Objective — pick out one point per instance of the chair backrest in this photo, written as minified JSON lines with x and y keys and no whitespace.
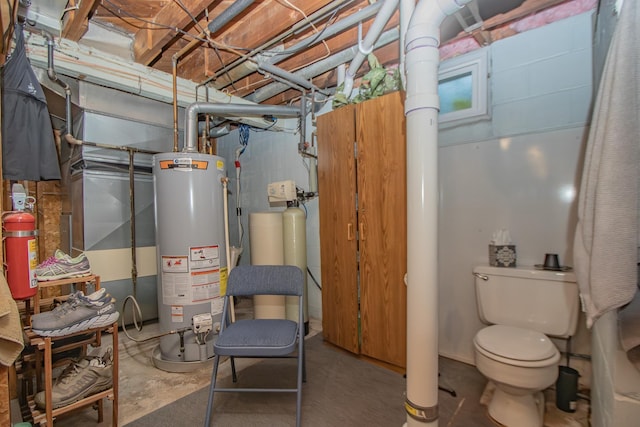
{"x":245,"y":280}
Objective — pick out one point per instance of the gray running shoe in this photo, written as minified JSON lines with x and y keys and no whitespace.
{"x":99,"y":295}
{"x":82,"y":378}
{"x":62,"y":266}
{"x":77,"y":314}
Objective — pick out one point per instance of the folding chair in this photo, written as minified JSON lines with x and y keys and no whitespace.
{"x":261,"y":338}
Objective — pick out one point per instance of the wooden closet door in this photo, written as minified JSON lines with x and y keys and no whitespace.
{"x":381,"y":167}
{"x":338,"y":227}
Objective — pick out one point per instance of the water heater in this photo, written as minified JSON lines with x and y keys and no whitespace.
{"x":191,"y":256}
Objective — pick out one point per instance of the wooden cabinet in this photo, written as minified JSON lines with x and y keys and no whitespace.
{"x":362,"y":187}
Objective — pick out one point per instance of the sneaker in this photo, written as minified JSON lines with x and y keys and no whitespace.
{"x":77,"y":314}
{"x":80,"y":379}
{"x":57,"y":255}
{"x":100,"y":294}
{"x":63,"y":266}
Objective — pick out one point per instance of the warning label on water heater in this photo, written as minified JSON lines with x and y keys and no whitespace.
{"x":192,"y":279}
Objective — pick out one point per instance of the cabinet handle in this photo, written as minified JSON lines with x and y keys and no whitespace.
{"x":350,"y":235}
{"x":362,"y":231}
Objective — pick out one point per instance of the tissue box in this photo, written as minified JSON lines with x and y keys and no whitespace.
{"x":502,"y":255}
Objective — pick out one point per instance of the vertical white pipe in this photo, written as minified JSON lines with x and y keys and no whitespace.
{"x":406,"y":10}
{"x":225,"y":209}
{"x":421,"y":109}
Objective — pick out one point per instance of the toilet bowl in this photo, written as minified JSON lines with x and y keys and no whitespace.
{"x":524,"y":307}
{"x":521,"y":363}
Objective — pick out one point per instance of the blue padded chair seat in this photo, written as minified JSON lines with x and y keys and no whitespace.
{"x":260,"y":337}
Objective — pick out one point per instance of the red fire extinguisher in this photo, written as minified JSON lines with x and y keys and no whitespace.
{"x":21,"y":252}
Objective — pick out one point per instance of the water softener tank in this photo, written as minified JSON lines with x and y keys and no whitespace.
{"x":191,"y":256}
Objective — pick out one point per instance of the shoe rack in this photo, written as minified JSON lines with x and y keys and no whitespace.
{"x":44,"y":352}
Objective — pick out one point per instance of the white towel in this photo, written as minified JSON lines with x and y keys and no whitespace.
{"x":11,"y":342}
{"x":629,"y":324}
{"x":606,"y":239}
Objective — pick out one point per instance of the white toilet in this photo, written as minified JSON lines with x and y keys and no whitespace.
{"x":522,"y":306}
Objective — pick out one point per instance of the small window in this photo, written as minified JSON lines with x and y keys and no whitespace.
{"x":462,"y":87}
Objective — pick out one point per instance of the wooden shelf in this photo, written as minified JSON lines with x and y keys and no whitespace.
{"x":34,"y":304}
{"x":44,"y":352}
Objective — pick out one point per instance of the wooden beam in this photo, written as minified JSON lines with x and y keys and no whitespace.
{"x":76,"y":20}
{"x":8,"y":14}
{"x":151,"y":42}
{"x":267,"y":21}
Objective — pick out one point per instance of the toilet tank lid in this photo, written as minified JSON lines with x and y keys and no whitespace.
{"x":515,"y":343}
{"x":526,"y":272}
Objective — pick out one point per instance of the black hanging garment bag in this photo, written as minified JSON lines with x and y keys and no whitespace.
{"x":28,"y":145}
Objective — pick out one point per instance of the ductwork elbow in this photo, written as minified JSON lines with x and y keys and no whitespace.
{"x":51,"y":73}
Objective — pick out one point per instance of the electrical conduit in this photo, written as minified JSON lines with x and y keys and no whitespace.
{"x":421,"y":110}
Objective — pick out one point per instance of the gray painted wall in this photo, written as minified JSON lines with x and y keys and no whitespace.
{"x":541,"y":86}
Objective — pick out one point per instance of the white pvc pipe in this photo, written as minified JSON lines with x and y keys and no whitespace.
{"x":421,"y":109}
{"x":374,"y":32}
{"x":342,"y":73}
{"x":225,"y":204}
{"x":406,"y":10}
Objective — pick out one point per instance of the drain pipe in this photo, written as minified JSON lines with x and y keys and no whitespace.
{"x":228,"y":14}
{"x":406,"y":10}
{"x":421,"y":110}
{"x":51,"y":73}
{"x":321,"y":66}
{"x":242,"y":110}
{"x":237,"y":70}
{"x":366,"y":46}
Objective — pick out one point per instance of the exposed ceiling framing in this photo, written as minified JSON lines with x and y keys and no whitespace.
{"x":186,"y":35}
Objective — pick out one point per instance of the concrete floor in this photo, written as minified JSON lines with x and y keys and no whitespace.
{"x":143,"y":388}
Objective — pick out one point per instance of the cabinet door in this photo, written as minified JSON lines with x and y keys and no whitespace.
{"x":338,"y":227}
{"x":381,"y":166}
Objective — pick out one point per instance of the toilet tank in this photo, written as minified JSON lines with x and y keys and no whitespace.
{"x":541,"y":300}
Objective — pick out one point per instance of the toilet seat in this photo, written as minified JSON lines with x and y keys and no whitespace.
{"x":516,"y":346}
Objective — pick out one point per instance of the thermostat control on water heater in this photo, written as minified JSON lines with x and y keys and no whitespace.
{"x":282,"y":191}
{"x":202,"y":323}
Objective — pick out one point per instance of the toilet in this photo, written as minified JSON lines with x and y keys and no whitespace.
{"x":524,"y":308}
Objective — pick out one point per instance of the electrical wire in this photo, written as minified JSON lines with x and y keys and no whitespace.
{"x":243,"y":136}
{"x":314,"y":279}
{"x":296,"y":8}
{"x":151,"y":25}
{"x":208,"y":35}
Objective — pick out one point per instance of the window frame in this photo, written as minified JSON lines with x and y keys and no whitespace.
{"x":475,"y":63}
